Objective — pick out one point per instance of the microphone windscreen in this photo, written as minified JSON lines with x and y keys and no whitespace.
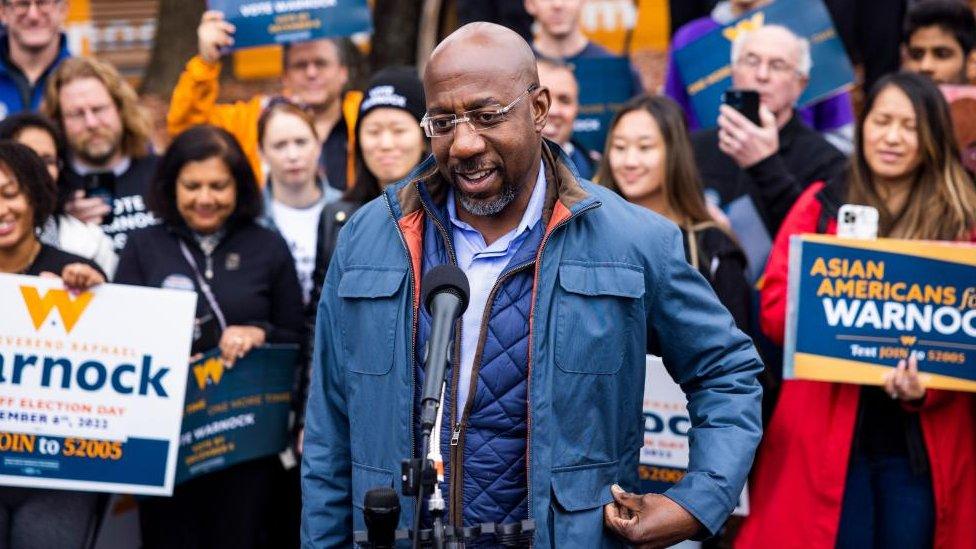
{"x":445,"y":278}
{"x":383,"y":498}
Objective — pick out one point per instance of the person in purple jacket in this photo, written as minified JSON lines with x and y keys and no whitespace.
{"x":833,"y":117}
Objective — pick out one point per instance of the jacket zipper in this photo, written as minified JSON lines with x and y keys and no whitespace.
{"x":528,"y":375}
{"x":460,"y":428}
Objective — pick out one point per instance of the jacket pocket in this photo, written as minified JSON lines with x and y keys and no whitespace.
{"x":596,"y":310}
{"x":370,"y":317}
{"x":576,"y":513}
{"x":365,"y":478}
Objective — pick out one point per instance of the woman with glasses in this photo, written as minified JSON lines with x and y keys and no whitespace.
{"x":60,"y":230}
{"x":844,"y":465}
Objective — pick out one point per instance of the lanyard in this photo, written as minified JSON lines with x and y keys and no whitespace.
{"x":204,"y":287}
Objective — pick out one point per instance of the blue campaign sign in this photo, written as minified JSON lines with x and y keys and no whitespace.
{"x":605,"y":84}
{"x":858,"y":307}
{"x":265,"y":22}
{"x":235,"y":414}
{"x":706,"y":67}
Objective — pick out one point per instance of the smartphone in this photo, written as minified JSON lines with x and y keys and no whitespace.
{"x":854,"y":221}
{"x":102,"y":185}
{"x":744,"y":101}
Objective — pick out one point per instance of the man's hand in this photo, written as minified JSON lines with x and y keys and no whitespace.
{"x":746,"y":143}
{"x":88,"y":210}
{"x":213,"y":35}
{"x":649,"y":520}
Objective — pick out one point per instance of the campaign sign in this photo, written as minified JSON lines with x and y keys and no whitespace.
{"x":706,"y":69}
{"x":605,"y":85}
{"x":236,"y":414}
{"x":265,"y":22}
{"x":91,"y":387}
{"x":858,"y":307}
{"x":664,"y":456}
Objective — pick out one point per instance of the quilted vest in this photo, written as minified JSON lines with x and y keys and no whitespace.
{"x":492,"y":477}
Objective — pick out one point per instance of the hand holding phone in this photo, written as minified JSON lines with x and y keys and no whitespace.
{"x":101,"y":185}
{"x":744,"y":101}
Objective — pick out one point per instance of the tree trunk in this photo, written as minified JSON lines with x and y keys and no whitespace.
{"x":394,"y":39}
{"x":175,"y":44}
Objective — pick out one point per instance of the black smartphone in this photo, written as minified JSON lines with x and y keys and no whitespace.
{"x":102,"y":185}
{"x":744,"y":101}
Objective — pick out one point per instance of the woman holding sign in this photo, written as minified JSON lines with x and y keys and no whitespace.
{"x":888,"y":466}
{"x":28,"y":196}
{"x":248,"y":295}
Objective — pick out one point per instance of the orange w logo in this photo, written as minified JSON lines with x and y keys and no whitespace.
{"x":211,"y":371}
{"x":746,"y":25}
{"x":40,"y":307}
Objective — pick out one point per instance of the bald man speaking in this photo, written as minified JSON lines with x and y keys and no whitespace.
{"x":570,"y":287}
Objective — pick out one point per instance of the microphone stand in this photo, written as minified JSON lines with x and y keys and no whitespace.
{"x":430,"y":422}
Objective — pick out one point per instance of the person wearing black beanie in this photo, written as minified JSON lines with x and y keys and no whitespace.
{"x":389,"y":144}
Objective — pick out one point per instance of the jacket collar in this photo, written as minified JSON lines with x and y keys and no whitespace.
{"x":425,"y":186}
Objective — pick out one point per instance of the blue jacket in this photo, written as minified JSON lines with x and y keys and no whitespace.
{"x":611,"y":284}
{"x":11,"y":100}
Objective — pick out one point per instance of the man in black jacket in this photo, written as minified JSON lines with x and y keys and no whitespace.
{"x":756,"y":172}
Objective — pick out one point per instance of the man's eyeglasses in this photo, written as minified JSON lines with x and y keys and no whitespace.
{"x":777,"y":66}
{"x":442,"y":125}
{"x":21,"y":7}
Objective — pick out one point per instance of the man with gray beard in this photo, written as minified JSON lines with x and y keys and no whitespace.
{"x":109,"y":161}
{"x":570,"y":287}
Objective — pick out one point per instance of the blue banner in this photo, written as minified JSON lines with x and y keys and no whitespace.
{"x":136,"y":461}
{"x":605,"y":84}
{"x":706,"y":69}
{"x":858,"y":307}
{"x":265,"y":22}
{"x":235,"y":414}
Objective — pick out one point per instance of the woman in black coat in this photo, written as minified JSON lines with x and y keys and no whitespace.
{"x":248,"y":294}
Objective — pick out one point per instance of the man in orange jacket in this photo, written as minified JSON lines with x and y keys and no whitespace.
{"x":314,"y":76}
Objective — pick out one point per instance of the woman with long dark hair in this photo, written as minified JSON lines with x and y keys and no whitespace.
{"x":649,"y":161}
{"x":864,"y":466}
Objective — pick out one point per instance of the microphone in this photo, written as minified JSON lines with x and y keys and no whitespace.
{"x":381,"y":511}
{"x":444,"y":292}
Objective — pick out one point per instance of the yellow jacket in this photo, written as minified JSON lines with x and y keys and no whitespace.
{"x":194,"y":102}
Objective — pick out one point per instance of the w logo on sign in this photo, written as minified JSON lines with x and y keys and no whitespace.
{"x":209,"y":372}
{"x":69,"y":307}
{"x":746,"y":25}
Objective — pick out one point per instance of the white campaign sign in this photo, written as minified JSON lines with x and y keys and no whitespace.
{"x":92,"y":385}
{"x":664,"y":457}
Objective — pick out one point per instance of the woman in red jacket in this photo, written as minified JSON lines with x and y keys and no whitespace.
{"x":893,"y":466}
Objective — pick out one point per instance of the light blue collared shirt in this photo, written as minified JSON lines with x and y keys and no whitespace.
{"x":482,"y":264}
